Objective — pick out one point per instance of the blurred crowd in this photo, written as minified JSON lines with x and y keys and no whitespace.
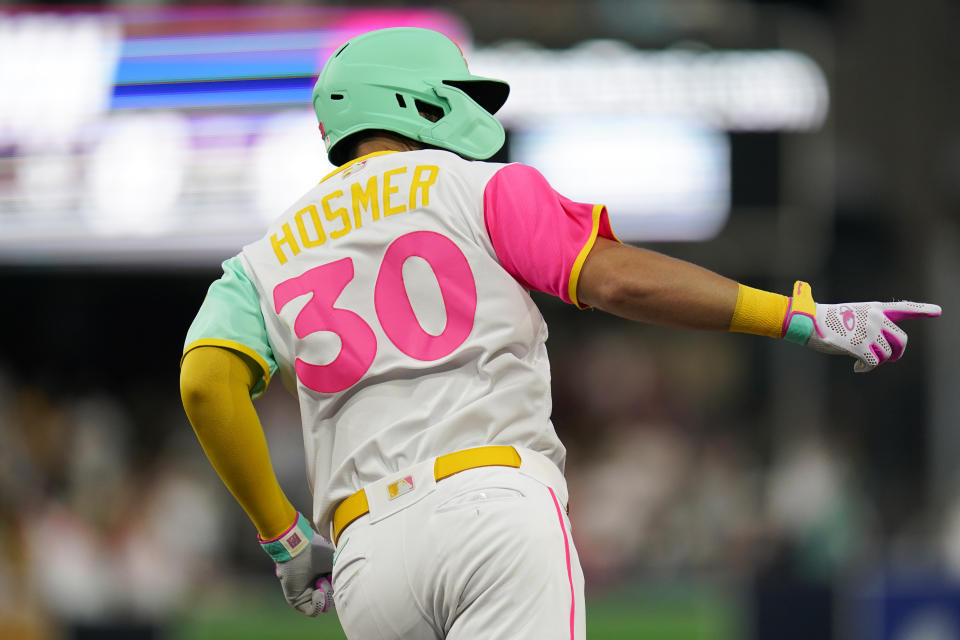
{"x":670,"y":479}
{"x":92,"y":527}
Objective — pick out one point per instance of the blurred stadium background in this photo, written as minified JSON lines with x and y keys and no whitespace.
{"x":723,"y":487}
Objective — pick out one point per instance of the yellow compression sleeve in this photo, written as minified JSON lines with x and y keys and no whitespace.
{"x":759,"y":312}
{"x":215,"y":388}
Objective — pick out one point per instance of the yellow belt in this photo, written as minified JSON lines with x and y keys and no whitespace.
{"x":444,"y":466}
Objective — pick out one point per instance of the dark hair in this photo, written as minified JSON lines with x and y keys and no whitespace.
{"x":346,"y":150}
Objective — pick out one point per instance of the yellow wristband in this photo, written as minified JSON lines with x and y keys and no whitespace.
{"x":759,"y":312}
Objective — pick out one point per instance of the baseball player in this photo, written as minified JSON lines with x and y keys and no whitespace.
{"x":392,"y":298}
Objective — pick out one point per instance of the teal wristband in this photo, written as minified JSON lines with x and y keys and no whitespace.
{"x":800,"y":329}
{"x":291,"y":542}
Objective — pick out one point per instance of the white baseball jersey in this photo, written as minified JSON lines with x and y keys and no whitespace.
{"x":393,"y":298}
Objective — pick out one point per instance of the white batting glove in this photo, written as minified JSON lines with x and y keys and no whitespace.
{"x":867,"y":331}
{"x":304,"y":563}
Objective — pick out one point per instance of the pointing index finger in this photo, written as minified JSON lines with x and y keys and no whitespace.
{"x":897,"y":311}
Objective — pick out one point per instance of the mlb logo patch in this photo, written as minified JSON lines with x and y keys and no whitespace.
{"x":400,"y":487}
{"x":353,"y":169}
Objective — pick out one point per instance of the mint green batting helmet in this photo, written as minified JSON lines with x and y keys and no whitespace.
{"x":383,"y":80}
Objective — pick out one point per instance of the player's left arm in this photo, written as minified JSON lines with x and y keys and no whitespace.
{"x":215,"y":386}
{"x":651,"y":287}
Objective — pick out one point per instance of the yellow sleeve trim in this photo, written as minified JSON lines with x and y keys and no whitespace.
{"x":582,"y":256}
{"x":234,"y":346}
{"x":759,"y":312}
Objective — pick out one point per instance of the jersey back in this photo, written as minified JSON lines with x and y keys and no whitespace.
{"x":389,"y":312}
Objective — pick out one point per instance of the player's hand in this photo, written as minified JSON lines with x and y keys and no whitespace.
{"x":304,"y":563}
{"x":305,"y":578}
{"x":866,"y":331}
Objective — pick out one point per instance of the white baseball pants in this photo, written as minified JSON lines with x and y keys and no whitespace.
{"x":485,"y":553}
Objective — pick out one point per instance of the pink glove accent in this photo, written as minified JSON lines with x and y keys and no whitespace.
{"x":896,"y":346}
{"x":323,"y":595}
{"x":925,"y":311}
{"x":878,"y":353}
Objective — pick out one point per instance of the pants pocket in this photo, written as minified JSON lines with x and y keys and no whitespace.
{"x":353,"y":607}
{"x":474,"y":497}
{"x":345,"y":571}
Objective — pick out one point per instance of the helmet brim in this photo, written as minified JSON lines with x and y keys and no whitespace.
{"x":488,"y":93}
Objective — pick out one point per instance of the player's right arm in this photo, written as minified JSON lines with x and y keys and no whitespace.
{"x":651,"y":287}
{"x":551,"y":244}
{"x":647,"y":286}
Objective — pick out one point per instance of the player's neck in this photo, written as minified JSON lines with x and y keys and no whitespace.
{"x":384,"y":143}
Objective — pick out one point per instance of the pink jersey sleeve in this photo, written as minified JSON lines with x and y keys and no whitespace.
{"x":540,"y":237}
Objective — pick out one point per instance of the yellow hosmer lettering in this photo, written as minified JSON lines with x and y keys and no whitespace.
{"x":340,"y":212}
{"x":389,"y":190}
{"x":286,"y":239}
{"x":305,"y":238}
{"x":365,"y":198}
{"x":422,"y":184}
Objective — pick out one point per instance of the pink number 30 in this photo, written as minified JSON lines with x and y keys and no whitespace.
{"x":394,"y":311}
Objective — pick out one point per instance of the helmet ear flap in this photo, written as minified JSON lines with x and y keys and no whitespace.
{"x":467,"y":129}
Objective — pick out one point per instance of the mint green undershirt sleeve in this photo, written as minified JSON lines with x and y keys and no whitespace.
{"x":230,"y":317}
